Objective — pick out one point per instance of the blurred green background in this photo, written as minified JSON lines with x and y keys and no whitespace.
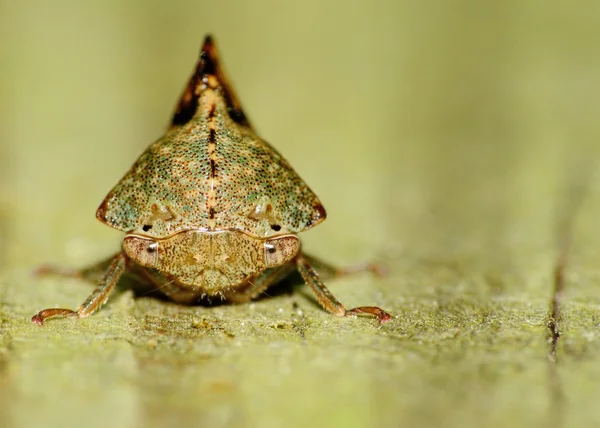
{"x":454,"y":140}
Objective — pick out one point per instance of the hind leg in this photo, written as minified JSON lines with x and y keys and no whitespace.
{"x":327,"y":271}
{"x":92,"y":273}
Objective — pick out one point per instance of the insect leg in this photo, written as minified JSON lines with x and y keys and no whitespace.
{"x":91,"y":273}
{"x":328,"y":300}
{"x":326,"y":270}
{"x":98,"y":297}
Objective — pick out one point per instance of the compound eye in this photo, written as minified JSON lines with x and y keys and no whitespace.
{"x":143,"y":251}
{"x":280,"y":250}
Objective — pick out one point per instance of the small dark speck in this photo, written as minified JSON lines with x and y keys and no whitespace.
{"x":237,"y":116}
{"x":146,"y":227}
{"x":276,"y":227}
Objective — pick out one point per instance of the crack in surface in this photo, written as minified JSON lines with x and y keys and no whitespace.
{"x":577,"y":190}
{"x":555,"y":302}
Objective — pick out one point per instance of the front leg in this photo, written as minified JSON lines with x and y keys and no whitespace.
{"x":328,"y":300}
{"x":98,"y":297}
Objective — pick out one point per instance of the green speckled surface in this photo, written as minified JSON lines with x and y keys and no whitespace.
{"x":448,"y":140}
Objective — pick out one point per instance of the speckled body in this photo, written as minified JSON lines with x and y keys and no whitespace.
{"x":211,"y":174}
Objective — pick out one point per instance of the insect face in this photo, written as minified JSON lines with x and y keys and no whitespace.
{"x":215,"y":261}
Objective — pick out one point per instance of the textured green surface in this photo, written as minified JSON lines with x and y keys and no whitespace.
{"x":447,"y":139}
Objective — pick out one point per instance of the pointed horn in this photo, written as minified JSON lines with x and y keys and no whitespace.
{"x":208,"y":73}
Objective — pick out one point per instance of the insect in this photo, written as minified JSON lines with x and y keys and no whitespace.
{"x":210,"y":209}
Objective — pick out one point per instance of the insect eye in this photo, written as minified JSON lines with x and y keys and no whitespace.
{"x":141,"y":250}
{"x":281,"y":250}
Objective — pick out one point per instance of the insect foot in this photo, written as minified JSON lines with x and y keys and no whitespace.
{"x":210,"y":210}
